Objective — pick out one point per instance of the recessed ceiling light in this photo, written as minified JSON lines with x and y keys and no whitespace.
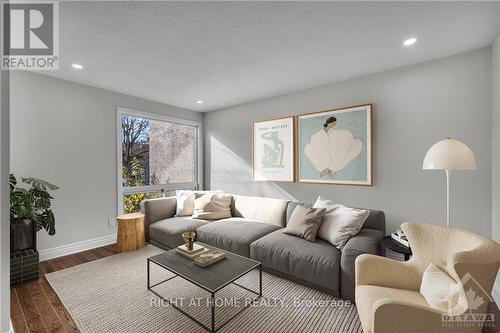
{"x":77,"y":66}
{"x":199,"y":101}
{"x":410,"y":41}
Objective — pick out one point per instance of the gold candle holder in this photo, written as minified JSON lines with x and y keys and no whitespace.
{"x":189,"y":239}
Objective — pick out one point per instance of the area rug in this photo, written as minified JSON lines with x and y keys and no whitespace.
{"x":110,"y":295}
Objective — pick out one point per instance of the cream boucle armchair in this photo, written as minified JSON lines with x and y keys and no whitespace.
{"x":387,"y":291}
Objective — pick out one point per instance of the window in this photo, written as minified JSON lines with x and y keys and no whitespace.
{"x":156,"y":156}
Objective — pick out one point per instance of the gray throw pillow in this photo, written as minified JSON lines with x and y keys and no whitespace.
{"x":304,"y":222}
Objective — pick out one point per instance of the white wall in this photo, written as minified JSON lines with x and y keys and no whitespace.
{"x":414,"y":107}
{"x":496,"y":138}
{"x":65,"y":133}
{"x":4,"y":204}
{"x":496,"y":153}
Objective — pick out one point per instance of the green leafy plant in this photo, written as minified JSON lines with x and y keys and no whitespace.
{"x":31,"y":200}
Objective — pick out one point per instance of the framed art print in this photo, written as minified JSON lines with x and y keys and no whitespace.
{"x":335,"y":146}
{"x":274,"y":150}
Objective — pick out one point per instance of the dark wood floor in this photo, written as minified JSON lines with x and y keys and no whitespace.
{"x":35,"y":307}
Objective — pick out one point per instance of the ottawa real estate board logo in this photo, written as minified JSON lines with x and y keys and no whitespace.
{"x":30,"y":39}
{"x":476,"y":314}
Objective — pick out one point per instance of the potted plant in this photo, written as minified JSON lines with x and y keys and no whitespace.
{"x":30,"y":211}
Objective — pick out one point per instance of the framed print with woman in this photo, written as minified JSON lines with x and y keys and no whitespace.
{"x":335,"y":146}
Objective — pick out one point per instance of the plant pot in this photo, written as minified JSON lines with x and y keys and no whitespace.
{"x":22,"y":235}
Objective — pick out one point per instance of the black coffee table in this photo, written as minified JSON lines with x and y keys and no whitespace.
{"x":212,"y":278}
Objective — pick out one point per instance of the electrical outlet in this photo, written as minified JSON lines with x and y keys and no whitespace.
{"x":111,"y":222}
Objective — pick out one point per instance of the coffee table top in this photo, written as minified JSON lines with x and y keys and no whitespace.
{"x":211,"y":278}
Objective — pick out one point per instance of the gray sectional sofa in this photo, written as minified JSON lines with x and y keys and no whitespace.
{"x":256,"y":231}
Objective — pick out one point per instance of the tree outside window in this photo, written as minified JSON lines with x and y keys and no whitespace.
{"x":156,"y":153}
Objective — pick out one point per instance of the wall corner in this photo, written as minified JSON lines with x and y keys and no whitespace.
{"x":495,"y":50}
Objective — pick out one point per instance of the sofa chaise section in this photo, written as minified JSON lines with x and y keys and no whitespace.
{"x":157,"y":209}
{"x":169,"y":231}
{"x":161,"y":227}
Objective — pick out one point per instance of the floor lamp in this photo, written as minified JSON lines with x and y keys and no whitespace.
{"x":447,"y":155}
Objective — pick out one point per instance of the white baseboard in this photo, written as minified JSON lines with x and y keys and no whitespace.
{"x":11,"y":328}
{"x":64,"y":250}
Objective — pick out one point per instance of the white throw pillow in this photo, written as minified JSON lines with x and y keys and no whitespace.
{"x":212,"y":206}
{"x":185,"y":201}
{"x":439,"y":289}
{"x":340,"y":222}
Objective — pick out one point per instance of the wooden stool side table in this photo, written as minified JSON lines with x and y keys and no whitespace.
{"x":130,"y":236}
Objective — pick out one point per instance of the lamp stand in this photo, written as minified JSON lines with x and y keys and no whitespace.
{"x":447,"y":197}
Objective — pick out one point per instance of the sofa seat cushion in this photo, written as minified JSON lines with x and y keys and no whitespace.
{"x":234,"y":234}
{"x":368,"y":295}
{"x":169,"y":231}
{"x":316,"y":263}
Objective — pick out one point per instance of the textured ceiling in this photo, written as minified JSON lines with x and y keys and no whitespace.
{"x":228,"y":53}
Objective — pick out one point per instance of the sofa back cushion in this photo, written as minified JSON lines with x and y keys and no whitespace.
{"x":376,"y":219}
{"x":266,"y":210}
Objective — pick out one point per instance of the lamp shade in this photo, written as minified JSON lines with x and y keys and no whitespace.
{"x":449,"y":154}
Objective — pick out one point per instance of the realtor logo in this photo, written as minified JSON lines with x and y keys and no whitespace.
{"x":475,"y":314}
{"x":30,"y":35}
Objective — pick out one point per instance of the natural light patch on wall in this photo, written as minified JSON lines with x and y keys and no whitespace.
{"x":232,"y":174}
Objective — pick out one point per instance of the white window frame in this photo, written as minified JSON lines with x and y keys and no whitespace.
{"x":121,"y":191}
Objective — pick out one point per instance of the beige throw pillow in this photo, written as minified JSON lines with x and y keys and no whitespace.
{"x":304,"y":222}
{"x":212,"y":206}
{"x":340,"y":222}
{"x":439,"y":289}
{"x":185,"y":201}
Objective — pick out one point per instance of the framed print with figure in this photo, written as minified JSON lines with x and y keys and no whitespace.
{"x":335,"y":146}
{"x":274,"y":150}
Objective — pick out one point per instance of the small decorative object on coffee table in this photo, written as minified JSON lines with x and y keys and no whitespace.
{"x":389,"y":243}
{"x":196,"y":250}
{"x":208,"y":258}
{"x":189,"y":239}
{"x":212,"y":278}
{"x":130,"y":235}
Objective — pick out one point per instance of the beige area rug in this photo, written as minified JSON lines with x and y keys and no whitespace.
{"x":110,"y":295}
